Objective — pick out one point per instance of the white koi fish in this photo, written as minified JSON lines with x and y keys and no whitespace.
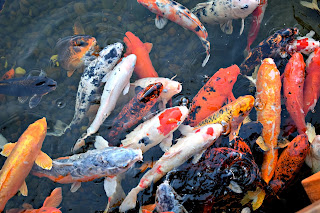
{"x":92,"y":77}
{"x":158,"y":129}
{"x":224,"y":11}
{"x":193,"y":144}
{"x":117,"y":81}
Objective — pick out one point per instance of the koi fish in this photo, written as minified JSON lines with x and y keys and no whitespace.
{"x":231,"y":115}
{"x":35,"y":86}
{"x":117,"y":82}
{"x":311,"y":91}
{"x":107,"y":162}
{"x":268,"y":48}
{"x":50,"y":204}
{"x":158,"y":129}
{"x":313,"y":157}
{"x":170,"y":88}
{"x":8,"y":75}
{"x":134,"y":111}
{"x":72,"y":49}
{"x":135,"y":46}
{"x":224,"y":11}
{"x":92,"y":77}
{"x":169,"y":9}
{"x":257,"y":16}
{"x":21,"y":156}
{"x":293,"y":82}
{"x":305,"y":44}
{"x":193,"y":144}
{"x":213,"y":95}
{"x":268,"y":106}
{"x":290,"y":162}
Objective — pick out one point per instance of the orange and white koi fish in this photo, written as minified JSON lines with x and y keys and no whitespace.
{"x":293,"y":82}
{"x":143,"y":68}
{"x":169,"y":9}
{"x":158,"y":129}
{"x":22,"y":155}
{"x":72,"y":50}
{"x":50,"y":204}
{"x":193,"y":144}
{"x":305,"y":44}
{"x":311,"y":90}
{"x":213,"y":95}
{"x":268,"y":105}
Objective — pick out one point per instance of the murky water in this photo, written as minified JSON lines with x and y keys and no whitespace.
{"x":29,"y":30}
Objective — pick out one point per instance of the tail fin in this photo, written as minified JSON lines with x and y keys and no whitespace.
{"x":206,"y":45}
{"x":54,"y":199}
{"x":311,"y":132}
{"x":313,"y":5}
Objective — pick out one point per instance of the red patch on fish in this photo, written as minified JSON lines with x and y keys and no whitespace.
{"x":198,"y":130}
{"x":210,"y":131}
{"x":302,"y":44}
{"x":169,"y":120}
{"x":159,"y":170}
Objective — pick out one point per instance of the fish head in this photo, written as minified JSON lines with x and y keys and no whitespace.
{"x":123,"y":158}
{"x":243,"y":8}
{"x":42,"y":85}
{"x":151,"y":92}
{"x":284,"y":36}
{"x":165,"y":197}
{"x":242,"y":107}
{"x":150,"y":4}
{"x":112,"y":52}
{"x":72,"y":49}
{"x":170,"y":88}
{"x":225,"y":78}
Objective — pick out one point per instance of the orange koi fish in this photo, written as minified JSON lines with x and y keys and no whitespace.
{"x":268,"y":104}
{"x":143,"y":68}
{"x":22,"y":155}
{"x":290,"y":162}
{"x":50,"y":204}
{"x":311,"y":91}
{"x":169,"y":9}
{"x":72,"y":51}
{"x":134,"y":111}
{"x":213,"y":94}
{"x":293,"y":82}
{"x":231,"y":115}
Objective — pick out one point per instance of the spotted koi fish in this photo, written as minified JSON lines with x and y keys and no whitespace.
{"x":231,"y":115}
{"x":311,"y":91}
{"x":169,"y":9}
{"x":268,"y":106}
{"x":158,"y":129}
{"x":305,"y":44}
{"x":193,"y":144}
{"x":134,"y":111}
{"x":269,"y":48}
{"x":290,"y":162}
{"x":293,"y":82}
{"x":213,"y":95}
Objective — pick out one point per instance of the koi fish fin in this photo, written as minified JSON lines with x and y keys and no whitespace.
{"x":23,"y":99}
{"x":23,"y":189}
{"x":42,"y":73}
{"x":80,"y":143}
{"x":185,"y":129}
{"x":311,"y":132}
{"x":7,"y":149}
{"x":242,"y":26}
{"x":106,"y":77}
{"x":70,"y":72}
{"x":234,"y":186}
{"x":128,"y":44}
{"x":58,"y":129}
{"x":148,"y":46}
{"x":197,"y":157}
{"x":34,"y":100}
{"x":27,"y":206}
{"x":110,"y":185}
{"x":126,"y":89}
{"x":251,"y":79}
{"x":101,"y":143}
{"x":246,"y":120}
{"x":257,"y":198}
{"x":44,"y":161}
{"x":75,"y":186}
{"x":262,"y":144}
{"x":160,"y":22}
{"x":313,"y":5}
{"x":227,"y":27}
{"x":283,"y":143}
{"x":310,"y":34}
{"x":166,"y":143}
{"x":55,"y":198}
{"x":119,"y":194}
{"x":3,"y":141}
{"x":131,"y":200}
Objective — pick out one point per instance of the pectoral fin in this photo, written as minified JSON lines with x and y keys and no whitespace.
{"x":227,"y":27}
{"x":7,"y":149}
{"x":148,"y":46}
{"x":110,"y":185}
{"x":262,"y":144}
{"x":101,"y":143}
{"x":23,"y":189}
{"x":197,"y":157}
{"x":44,"y":161}
{"x":126,"y":89}
{"x":166,"y":143}
{"x":34,"y":101}
{"x":23,"y":99}
{"x":242,"y":26}
{"x":70,"y":72}
{"x":55,"y":198}
{"x":160,"y":22}
{"x":75,"y":186}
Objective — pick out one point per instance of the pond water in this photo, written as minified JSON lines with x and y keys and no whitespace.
{"x":29,"y":30}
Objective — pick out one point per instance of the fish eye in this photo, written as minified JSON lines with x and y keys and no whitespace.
{"x":40,"y":83}
{"x":245,"y":7}
{"x":80,"y":42}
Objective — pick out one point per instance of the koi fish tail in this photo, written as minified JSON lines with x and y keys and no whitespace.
{"x":311,"y":132}
{"x":206,"y":45}
{"x":130,"y":201}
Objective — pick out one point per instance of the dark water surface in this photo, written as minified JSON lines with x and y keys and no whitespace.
{"x":29,"y":30}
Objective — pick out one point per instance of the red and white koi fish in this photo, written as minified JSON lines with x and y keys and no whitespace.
{"x":157,"y":129}
{"x":305,"y":44}
{"x":293,"y":82}
{"x":311,"y":90}
{"x":193,"y":144}
{"x":170,"y":88}
{"x":22,"y":155}
{"x":169,"y":9}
